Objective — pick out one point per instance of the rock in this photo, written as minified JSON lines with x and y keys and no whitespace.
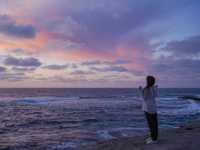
{"x":190,"y":97}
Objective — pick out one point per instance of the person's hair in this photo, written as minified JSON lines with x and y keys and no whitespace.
{"x":150,"y":81}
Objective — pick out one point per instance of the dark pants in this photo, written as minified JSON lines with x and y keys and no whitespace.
{"x":153,"y":124}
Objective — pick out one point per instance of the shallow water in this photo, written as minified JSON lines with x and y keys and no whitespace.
{"x":67,"y":118}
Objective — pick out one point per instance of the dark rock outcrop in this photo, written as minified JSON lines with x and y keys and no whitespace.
{"x":190,"y":97}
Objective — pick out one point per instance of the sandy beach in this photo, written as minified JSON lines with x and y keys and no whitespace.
{"x":184,"y":138}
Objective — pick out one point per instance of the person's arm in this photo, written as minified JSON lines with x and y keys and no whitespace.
{"x":140,"y":91}
{"x":145,"y":94}
{"x":156,"y":90}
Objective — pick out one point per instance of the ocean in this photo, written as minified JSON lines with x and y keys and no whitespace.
{"x":58,"y":119}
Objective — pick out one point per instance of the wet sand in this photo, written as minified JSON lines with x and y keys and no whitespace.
{"x":184,"y":138}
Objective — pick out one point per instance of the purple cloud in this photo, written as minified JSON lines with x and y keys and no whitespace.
{"x":98,"y":62}
{"x":23,"y":62}
{"x":102,"y":25}
{"x":56,"y":67}
{"x":2,"y":69}
{"x":176,"y":72}
{"x":91,"y":63}
{"x":189,"y":46}
{"x":81,"y":72}
{"x":110,"y":69}
{"x":177,"y":68}
{"x":73,"y":65}
{"x":9,"y":27}
{"x":13,"y":76}
{"x":23,"y":69}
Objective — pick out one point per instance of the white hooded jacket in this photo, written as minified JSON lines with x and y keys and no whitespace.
{"x":149,"y":99}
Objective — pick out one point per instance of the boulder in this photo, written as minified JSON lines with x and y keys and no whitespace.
{"x":190,"y":97}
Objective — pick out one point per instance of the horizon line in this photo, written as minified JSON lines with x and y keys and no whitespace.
{"x":94,"y":87}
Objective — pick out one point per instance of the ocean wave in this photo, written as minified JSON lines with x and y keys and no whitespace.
{"x":55,"y":99}
{"x":191,"y":108}
{"x":105,"y":135}
{"x":64,"y":146}
{"x":44,"y":100}
{"x":190,"y":97}
{"x":168,"y":98}
{"x":93,"y":120}
{"x":94,"y":97}
{"x":106,"y":97}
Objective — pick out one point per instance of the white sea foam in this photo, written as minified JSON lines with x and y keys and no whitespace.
{"x":45,"y":100}
{"x":104,"y":135}
{"x":64,"y":146}
{"x":192,"y":107}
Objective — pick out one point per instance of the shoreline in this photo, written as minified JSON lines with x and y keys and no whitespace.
{"x":185,"y":137}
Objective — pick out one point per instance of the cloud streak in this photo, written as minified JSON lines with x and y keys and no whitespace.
{"x":23,"y":62}
{"x":56,"y":67}
{"x":2,"y":69}
{"x":187,"y":47}
{"x":110,"y":69}
{"x":9,"y":27}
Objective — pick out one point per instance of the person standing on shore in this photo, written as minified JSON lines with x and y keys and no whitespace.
{"x":149,"y":94}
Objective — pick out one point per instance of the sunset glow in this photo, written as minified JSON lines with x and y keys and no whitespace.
{"x":99,"y":43}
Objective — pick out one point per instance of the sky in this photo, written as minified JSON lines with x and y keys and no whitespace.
{"x":99,"y":43}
